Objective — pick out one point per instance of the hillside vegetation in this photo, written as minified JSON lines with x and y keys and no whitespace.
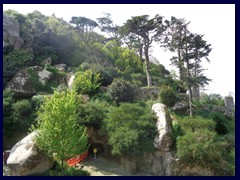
{"x":116,"y":81}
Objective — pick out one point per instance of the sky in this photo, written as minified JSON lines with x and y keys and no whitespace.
{"x":215,"y":21}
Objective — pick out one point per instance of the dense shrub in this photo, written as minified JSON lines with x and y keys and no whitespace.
{"x":92,"y":114}
{"x":22,"y":107}
{"x":7,"y":102}
{"x":121,"y":91}
{"x":130,"y":128}
{"x":15,"y":61}
{"x":201,"y":145}
{"x":168,"y":96}
{"x":86,"y":82}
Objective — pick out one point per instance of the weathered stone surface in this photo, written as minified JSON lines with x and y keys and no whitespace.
{"x":147,"y":93}
{"x":26,"y":159}
{"x":22,"y":85}
{"x":70,"y":77}
{"x":180,"y":107}
{"x":226,"y":111}
{"x":181,"y":168}
{"x":60,"y":67}
{"x":164,"y":140}
{"x":229,"y":103}
{"x":44,"y":76}
{"x":11,"y":32}
{"x":47,"y":61}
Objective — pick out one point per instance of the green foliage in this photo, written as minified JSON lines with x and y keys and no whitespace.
{"x":22,"y":116}
{"x":121,"y":90}
{"x":200,"y":144}
{"x":168,"y":96}
{"x":52,"y":69}
{"x":45,"y":52}
{"x":206,"y":103}
{"x":190,"y":124}
{"x":14,"y":61}
{"x":200,"y":147}
{"x":16,"y":15}
{"x":86,"y":82}
{"x":221,"y":121}
{"x":176,"y":130}
{"x":58,"y":131}
{"x":22,"y":107}
{"x":34,"y":79}
{"x":37,"y":101}
{"x":130,"y":128}
{"x":92,"y":114}
{"x":7,"y":102}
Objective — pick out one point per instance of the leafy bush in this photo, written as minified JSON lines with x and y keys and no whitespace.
{"x":190,"y":124}
{"x":221,"y":121}
{"x":200,"y":143}
{"x":130,"y":128}
{"x":121,"y":91}
{"x":176,"y":130}
{"x":14,"y":61}
{"x":22,"y":107}
{"x":86,"y":82}
{"x":200,"y":147}
{"x":92,"y":114}
{"x":7,"y":102}
{"x":168,"y":96}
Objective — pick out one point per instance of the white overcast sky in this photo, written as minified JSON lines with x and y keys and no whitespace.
{"x":215,"y":21}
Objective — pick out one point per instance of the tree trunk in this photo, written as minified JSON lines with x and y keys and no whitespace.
{"x":190,"y":100}
{"x":149,"y":79}
{"x":180,"y":66}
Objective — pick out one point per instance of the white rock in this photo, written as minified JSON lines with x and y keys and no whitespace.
{"x":26,"y":159}
{"x":164,"y":140}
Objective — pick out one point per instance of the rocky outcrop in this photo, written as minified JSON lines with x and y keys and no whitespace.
{"x":47,"y":61}
{"x":180,"y":168}
{"x":147,"y":93}
{"x":70,"y":77}
{"x":11,"y":32}
{"x":25,"y":158}
{"x":164,"y":140}
{"x":60,"y":67}
{"x":181,"y":107}
{"x":25,"y":82}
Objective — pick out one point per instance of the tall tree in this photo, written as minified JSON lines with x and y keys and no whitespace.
{"x":58,"y":130}
{"x":194,"y":50}
{"x":173,"y":40}
{"x":106,"y":25}
{"x":146,"y":29}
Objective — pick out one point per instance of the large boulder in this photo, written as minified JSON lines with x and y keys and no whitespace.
{"x":181,"y":107}
{"x":164,"y":140}
{"x":27,"y":81}
{"x":70,"y":77}
{"x":25,"y":158}
{"x":11,"y":32}
{"x":60,"y":67}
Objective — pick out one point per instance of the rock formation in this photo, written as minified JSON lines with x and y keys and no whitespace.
{"x":11,"y":32}
{"x":26,"y":159}
{"x":164,"y":140}
{"x":22,"y":84}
